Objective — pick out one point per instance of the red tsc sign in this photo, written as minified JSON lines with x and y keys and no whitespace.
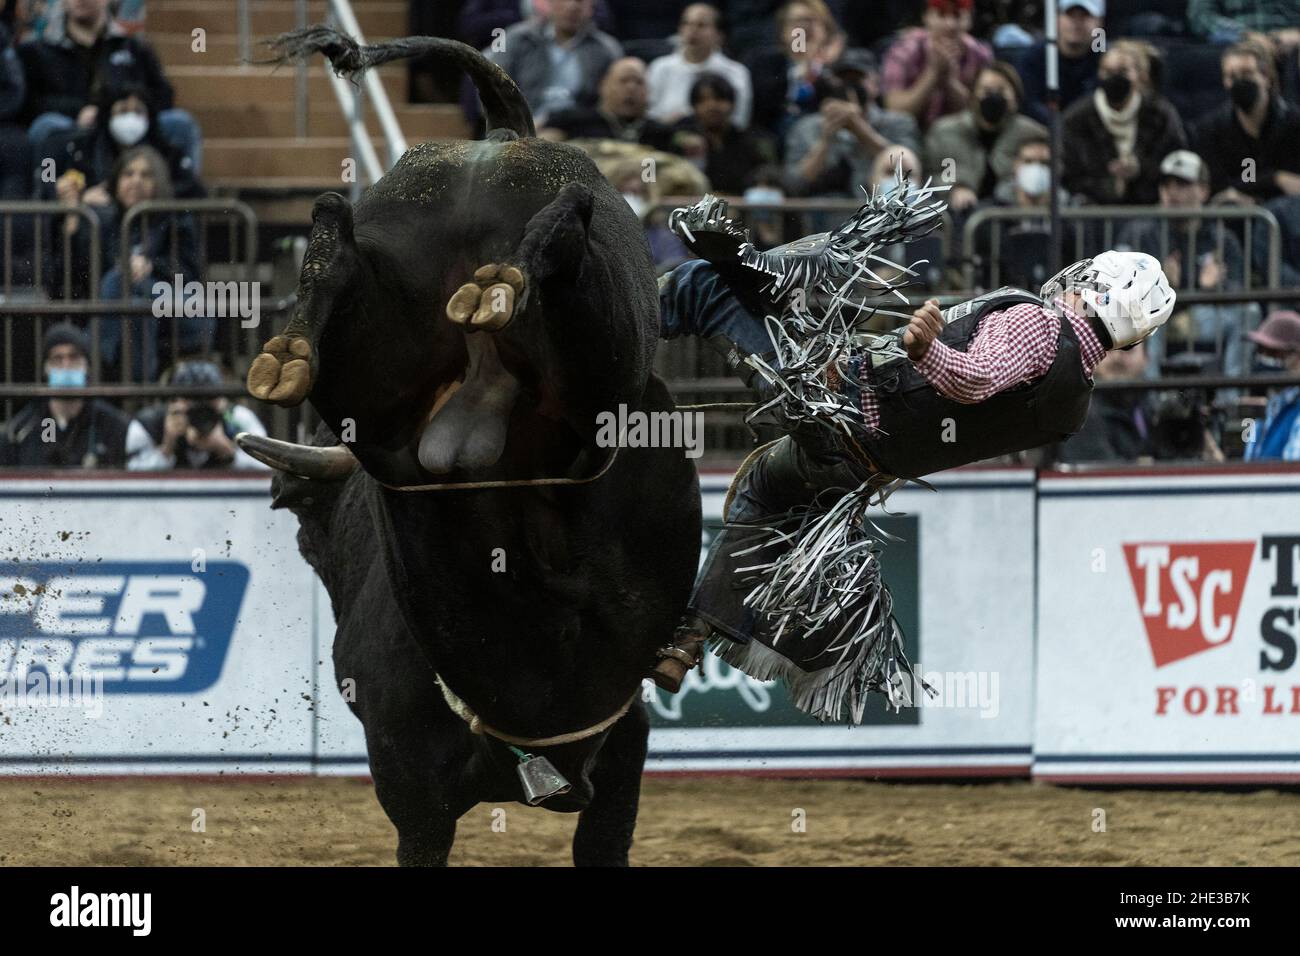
{"x":1189,"y":595}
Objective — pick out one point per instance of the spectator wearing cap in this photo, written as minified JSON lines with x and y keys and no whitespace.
{"x":191,"y":431}
{"x":1078,"y":29}
{"x":976,"y":148}
{"x":557,"y":59}
{"x":1115,"y":139}
{"x":1197,"y":254}
{"x":830,"y":152}
{"x":1277,"y":349}
{"x":929,"y":71}
{"x":1252,"y":142}
{"x":65,"y":75}
{"x":672,"y":77}
{"x":620,"y":114}
{"x":65,"y":432}
{"x":728,"y":155}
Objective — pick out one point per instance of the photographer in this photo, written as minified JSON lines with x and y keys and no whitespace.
{"x":191,"y":431}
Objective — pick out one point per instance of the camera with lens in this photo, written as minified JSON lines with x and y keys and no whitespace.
{"x":202,"y":416}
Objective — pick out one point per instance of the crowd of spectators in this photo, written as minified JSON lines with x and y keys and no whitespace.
{"x":811,"y":99}
{"x":88,"y":119}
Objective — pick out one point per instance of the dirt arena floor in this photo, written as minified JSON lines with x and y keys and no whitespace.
{"x":718,"y":821}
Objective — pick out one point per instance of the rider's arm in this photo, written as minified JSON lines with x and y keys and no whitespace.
{"x":1011,"y":346}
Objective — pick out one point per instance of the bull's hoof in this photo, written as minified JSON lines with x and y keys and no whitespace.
{"x":488,"y":304}
{"x":282,"y":373}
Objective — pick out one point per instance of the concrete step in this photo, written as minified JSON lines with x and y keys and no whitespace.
{"x":419,"y":122}
{"x":253,"y":160}
{"x":269,"y":17}
{"x":225,"y":85}
{"x":176,"y":49}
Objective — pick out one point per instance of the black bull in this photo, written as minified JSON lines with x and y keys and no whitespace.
{"x":539,"y":606}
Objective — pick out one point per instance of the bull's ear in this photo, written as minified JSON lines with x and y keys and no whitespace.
{"x":332,"y":212}
{"x":330,"y":262}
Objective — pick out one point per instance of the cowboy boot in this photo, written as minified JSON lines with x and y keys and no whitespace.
{"x":685,"y":651}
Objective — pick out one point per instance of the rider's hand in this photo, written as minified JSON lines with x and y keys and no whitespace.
{"x":926,"y":324}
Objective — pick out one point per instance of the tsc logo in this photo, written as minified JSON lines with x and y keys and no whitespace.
{"x":140,"y":626}
{"x":1188,"y":594}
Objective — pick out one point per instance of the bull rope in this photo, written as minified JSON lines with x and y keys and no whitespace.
{"x":477,"y":725}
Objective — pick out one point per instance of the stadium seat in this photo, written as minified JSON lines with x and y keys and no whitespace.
{"x":1195,"y":86}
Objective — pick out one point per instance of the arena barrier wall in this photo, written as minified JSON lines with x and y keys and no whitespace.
{"x":209,"y":637}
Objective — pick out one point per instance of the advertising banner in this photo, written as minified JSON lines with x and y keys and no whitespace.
{"x":168,"y":625}
{"x":158,"y":625}
{"x":1167,"y":627}
{"x":962,"y":578}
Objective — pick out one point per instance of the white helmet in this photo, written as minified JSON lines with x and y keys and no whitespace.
{"x":1126,"y":291}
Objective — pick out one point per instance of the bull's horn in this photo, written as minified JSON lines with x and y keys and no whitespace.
{"x":307,"y":461}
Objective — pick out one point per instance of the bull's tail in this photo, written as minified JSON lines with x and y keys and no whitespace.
{"x":504,"y":107}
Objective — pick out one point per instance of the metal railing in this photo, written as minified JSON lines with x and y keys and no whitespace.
{"x":39,"y":213}
{"x":1110,"y":217}
{"x":28,"y":303}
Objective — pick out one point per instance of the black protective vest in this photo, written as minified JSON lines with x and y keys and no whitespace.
{"x":915,"y":419}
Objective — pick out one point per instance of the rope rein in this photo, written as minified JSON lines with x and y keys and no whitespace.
{"x":477,"y":725}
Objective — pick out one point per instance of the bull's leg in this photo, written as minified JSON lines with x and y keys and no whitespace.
{"x":604,"y":833}
{"x":285,"y":370}
{"x":411,"y":769}
{"x":554,"y":246}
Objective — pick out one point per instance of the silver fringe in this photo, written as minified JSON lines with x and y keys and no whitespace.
{"x":829,"y":576}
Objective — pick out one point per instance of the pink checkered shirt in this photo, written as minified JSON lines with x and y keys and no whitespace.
{"x":1012,"y":346}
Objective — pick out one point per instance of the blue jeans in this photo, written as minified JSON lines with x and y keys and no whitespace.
{"x":694,"y":300}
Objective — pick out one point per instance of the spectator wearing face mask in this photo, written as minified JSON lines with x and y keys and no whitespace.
{"x":66,"y":73}
{"x":1277,"y":350}
{"x":1024,"y":242}
{"x":1252,"y":142}
{"x":976,"y":148}
{"x":1115,"y":140}
{"x":65,"y":432}
{"x":191,"y":431}
{"x":124,"y":120}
